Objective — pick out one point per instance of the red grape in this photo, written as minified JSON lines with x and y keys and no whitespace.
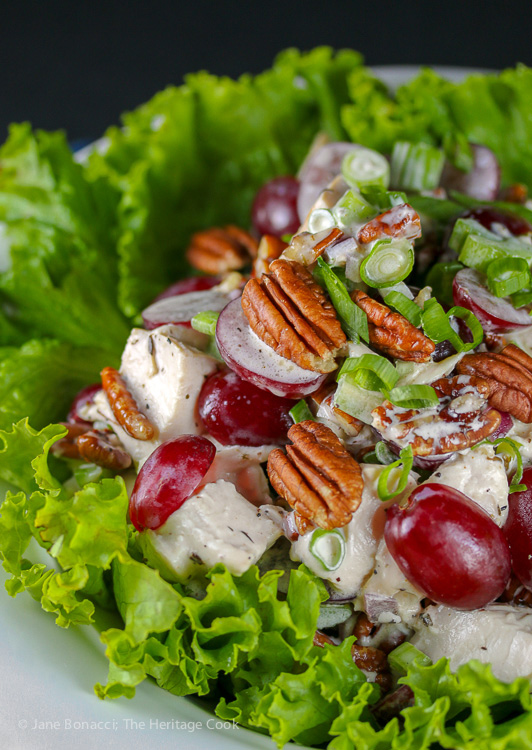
{"x":192,"y":284}
{"x":84,"y":398}
{"x":253,"y":360}
{"x":236,"y":412}
{"x":481,"y":182}
{"x":489,"y":216}
{"x":275,"y":207}
{"x":169,"y":477}
{"x":518,"y":530}
{"x":448,"y":547}
{"x":496,"y":314}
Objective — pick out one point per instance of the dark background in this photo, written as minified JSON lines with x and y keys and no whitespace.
{"x":77,"y":65}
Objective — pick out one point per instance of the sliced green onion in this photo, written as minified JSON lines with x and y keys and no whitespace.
{"x":472,"y":322}
{"x":511,"y":449}
{"x":389,"y":261}
{"x":328,"y":547}
{"x":370,"y":458}
{"x":440,"y":279}
{"x":405,"y":306}
{"x":362,"y":167}
{"x":517,"y":488}
{"x":383,"y":199}
{"x":301,"y":412}
{"x":370,"y":371}
{"x":205,"y":322}
{"x":320,"y":219}
{"x":522,"y":298}
{"x":437,"y":327}
{"x":356,"y":401}
{"x":413,"y":396}
{"x":477,"y":247}
{"x":352,"y":208}
{"x":507,"y":275}
{"x":416,"y":166}
{"x":405,"y":462}
{"x":354,"y":320}
{"x":383,"y":453}
{"x":405,"y":656}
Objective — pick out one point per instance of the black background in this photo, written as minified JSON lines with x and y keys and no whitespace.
{"x":78,"y":65}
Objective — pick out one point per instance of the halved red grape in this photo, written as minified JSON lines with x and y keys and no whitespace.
{"x":274,"y":209}
{"x":319,"y":168}
{"x":255,"y":361}
{"x":169,"y":477}
{"x":518,"y":530}
{"x":496,"y":314}
{"x":236,"y":412}
{"x":180,"y":309}
{"x":192,"y":284}
{"x":503,"y":429}
{"x":489,"y":217}
{"x":84,"y":398}
{"x":482,"y":182}
{"x":448,"y":547}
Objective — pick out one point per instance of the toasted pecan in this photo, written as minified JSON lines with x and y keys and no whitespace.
{"x":317,"y":476}
{"x":67,"y":446}
{"x":392,"y":333}
{"x":321,"y":639}
{"x":221,"y":249}
{"x":369,"y":658}
{"x":292,"y":315}
{"x":399,"y":222}
{"x":96,"y":447}
{"x":458,"y":429}
{"x":270,"y":248}
{"x":124,"y":406}
{"x":509,"y":379}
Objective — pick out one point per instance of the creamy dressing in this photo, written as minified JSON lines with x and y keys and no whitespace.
{"x":361,"y":535}
{"x":215,"y":525}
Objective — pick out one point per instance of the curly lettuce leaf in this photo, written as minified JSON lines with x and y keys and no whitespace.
{"x":492,"y":110}
{"x":194,"y":156}
{"x":39,"y":381}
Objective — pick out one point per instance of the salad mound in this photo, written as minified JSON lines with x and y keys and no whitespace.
{"x":297,"y":481}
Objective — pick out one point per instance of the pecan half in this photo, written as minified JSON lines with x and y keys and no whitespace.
{"x":321,"y":639}
{"x":460,"y":420}
{"x":509,"y":379}
{"x":96,"y":448}
{"x":317,"y":476}
{"x":219,"y":250}
{"x":292,"y":315}
{"x":270,"y":248}
{"x":124,"y":406}
{"x":400,"y":222}
{"x":392,"y":333}
{"x":67,"y":446}
{"x":369,"y":658}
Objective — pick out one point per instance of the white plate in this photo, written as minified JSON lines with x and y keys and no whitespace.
{"x":47,"y":673}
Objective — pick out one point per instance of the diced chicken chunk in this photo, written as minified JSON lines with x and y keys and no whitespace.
{"x":217,"y":525}
{"x":165,"y":378}
{"x":499,"y":634}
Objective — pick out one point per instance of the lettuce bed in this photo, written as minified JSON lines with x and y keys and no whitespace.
{"x":82,"y":250}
